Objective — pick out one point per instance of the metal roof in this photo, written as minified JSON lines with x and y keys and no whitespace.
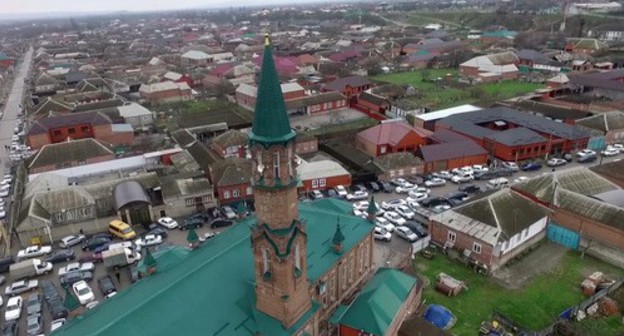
{"x":128,"y":192}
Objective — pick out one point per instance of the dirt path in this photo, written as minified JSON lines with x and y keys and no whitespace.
{"x":545,"y":258}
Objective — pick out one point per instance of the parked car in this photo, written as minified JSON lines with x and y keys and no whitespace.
{"x":168,"y":222}
{"x":381,"y":234}
{"x":357,"y":195}
{"x":316,"y":194}
{"x":384,"y":223}
{"x":57,"y":308}
{"x":191,"y":223}
{"x":33,"y":304}
{"x":510,"y":165}
{"x":394,"y":218}
{"x":587,"y":158}
{"x":359,"y":187}
{"x":416,"y":197}
{"x":440,"y":208}
{"x":374,"y":186}
{"x":157,"y":231}
{"x":95,"y":242}
{"x":107,"y":286}
{"x":556,"y":162}
{"x":531,"y":166}
{"x":391,"y":204}
{"x":399,"y":181}
{"x":462,"y":178}
{"x":520,"y":179}
{"x":479,"y":169}
{"x":61,"y":255}
{"x":71,"y":240}
{"x":57,"y":324}
{"x":149,"y":240}
{"x":91,"y":257}
{"x":404,"y":211}
{"x":405,"y":233}
{"x":83,"y":292}
{"x":34,"y":251}
{"x":585,"y":152}
{"x":434,"y":201}
{"x":610,"y":151}
{"x":443,"y":174}
{"x":220,"y":222}
{"x":48,"y":289}
{"x":228,"y":212}
{"x":71,"y":278}
{"x":404,"y":189}
{"x":386,"y":187}
{"x":341,"y":191}
{"x":417,"y":228}
{"x":34,"y":325}
{"x":76,"y":267}
{"x":20,"y":287}
{"x":13,"y":309}
{"x":10,"y":328}
{"x":435,"y":182}
{"x":470,"y":188}
{"x":457,"y":195}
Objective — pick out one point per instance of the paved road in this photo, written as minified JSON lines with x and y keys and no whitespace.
{"x":12,"y":106}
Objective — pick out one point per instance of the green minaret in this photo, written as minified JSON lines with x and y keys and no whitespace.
{"x":271,"y":124}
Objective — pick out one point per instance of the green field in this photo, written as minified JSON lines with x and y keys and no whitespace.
{"x":436,"y":96}
{"x":534,"y":307}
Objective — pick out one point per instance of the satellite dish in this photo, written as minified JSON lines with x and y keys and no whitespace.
{"x":260,"y":168}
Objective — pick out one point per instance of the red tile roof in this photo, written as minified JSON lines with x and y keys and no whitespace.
{"x":391,"y":133}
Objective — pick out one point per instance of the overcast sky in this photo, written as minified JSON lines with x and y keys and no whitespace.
{"x":47,"y":6}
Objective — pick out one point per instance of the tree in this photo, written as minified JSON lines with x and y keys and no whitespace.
{"x":224,"y":88}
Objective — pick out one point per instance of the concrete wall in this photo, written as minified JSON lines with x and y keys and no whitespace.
{"x":33,"y":227}
{"x":330,"y":182}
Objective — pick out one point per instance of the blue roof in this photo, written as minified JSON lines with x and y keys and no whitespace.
{"x":210,"y":290}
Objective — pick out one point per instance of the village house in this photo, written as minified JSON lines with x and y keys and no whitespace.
{"x":609,"y":126}
{"x":230,"y":179}
{"x":393,"y":165}
{"x":491,"y":68}
{"x":69,"y":154}
{"x":348,"y":86}
{"x":392,"y":137}
{"x":165,"y":92}
{"x":246,"y":94}
{"x":491,"y":230}
{"x":607,"y":84}
{"x":321,"y":175}
{"x":136,"y":115}
{"x":316,"y":103}
{"x":231,"y":143}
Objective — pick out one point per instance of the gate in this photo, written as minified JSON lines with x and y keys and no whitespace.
{"x":563,"y":236}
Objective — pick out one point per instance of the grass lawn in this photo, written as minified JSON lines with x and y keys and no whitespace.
{"x":533,"y":307}
{"x":437,"y":97}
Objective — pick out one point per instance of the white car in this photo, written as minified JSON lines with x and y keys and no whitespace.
{"x":465,"y":169}
{"x":357,"y":195}
{"x":416,"y":197}
{"x":13,"y":309}
{"x":384,"y":224}
{"x":394,"y":218}
{"x":75,"y":267}
{"x":407,"y":234}
{"x":381,"y":234}
{"x":479,"y":169}
{"x":399,"y":181}
{"x":2,"y":213}
{"x":341,"y":191}
{"x":404,"y":189}
{"x":440,"y":208}
{"x":20,"y":287}
{"x":443,"y":174}
{"x":4,"y":192}
{"x":555,"y":162}
{"x":391,"y":204}
{"x":149,"y":240}
{"x":413,"y":205}
{"x":83,"y":292}
{"x":619,"y":147}
{"x":435,"y":182}
{"x":405,"y":212}
{"x":462,"y":178}
{"x":585,"y":152}
{"x":228,"y":212}
{"x":610,"y":151}
{"x":71,"y":240}
{"x":520,"y":179}
{"x":168,"y":222}
{"x":316,"y":194}
{"x":34,"y":251}
{"x":57,"y":324}
{"x":511,"y":166}
{"x":363,"y":207}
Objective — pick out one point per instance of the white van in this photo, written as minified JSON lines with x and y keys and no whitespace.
{"x":498,"y":183}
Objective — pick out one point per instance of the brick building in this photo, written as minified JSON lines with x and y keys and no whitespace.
{"x":165,"y":92}
{"x":393,"y":165}
{"x":392,"y":137}
{"x":232,"y":143}
{"x":318,"y":103}
{"x":373,"y":102}
{"x":349,"y":86}
{"x":82,"y":125}
{"x":491,"y":230}
{"x":230,"y":179}
{"x":451,"y":150}
{"x":321,"y":175}
{"x":246,"y":94}
{"x":69,"y":154}
{"x":512,"y":135}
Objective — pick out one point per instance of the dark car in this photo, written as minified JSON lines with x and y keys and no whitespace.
{"x":587,"y":158}
{"x":220,"y":222}
{"x":191,"y":223}
{"x":5,"y":263}
{"x":73,"y":277}
{"x":417,"y":228}
{"x":485,"y":175}
{"x":359,"y":187}
{"x":101,"y":235}
{"x":415,"y":179}
{"x":10,"y":328}
{"x":434,"y":201}
{"x":61,"y":255}
{"x":386,"y":187}
{"x":373,"y":186}
{"x":531,"y":166}
{"x":101,"y":248}
{"x":503,"y":172}
{"x":469,"y":188}
{"x":158,"y":231}
{"x":95,"y":242}
{"x":202,"y":216}
{"x":107,"y":286}
{"x":57,"y":308}
{"x":91,"y":257}
{"x":33,"y":304}
{"x":331,"y":193}
{"x":48,"y":289}
{"x":457,"y":195}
